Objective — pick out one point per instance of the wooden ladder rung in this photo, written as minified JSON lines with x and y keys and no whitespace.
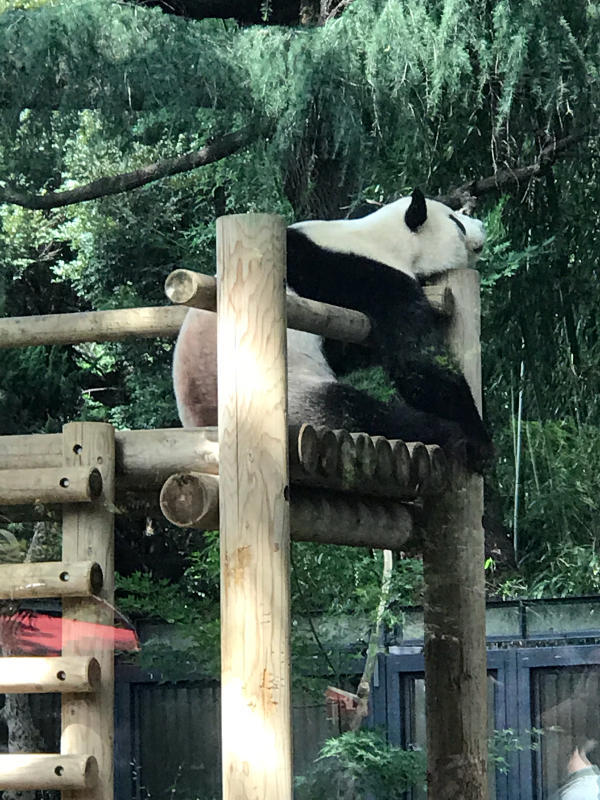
{"x":39,"y":674}
{"x":28,"y":771}
{"x":50,"y":485}
{"x":50,"y":579}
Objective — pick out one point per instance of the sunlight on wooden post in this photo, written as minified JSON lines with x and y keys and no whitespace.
{"x":454,"y":605}
{"x":254,"y":508}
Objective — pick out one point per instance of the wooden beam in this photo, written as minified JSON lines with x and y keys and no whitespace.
{"x":116,"y":325}
{"x":50,"y":579}
{"x":49,"y":485}
{"x":48,"y":771}
{"x":35,"y":675}
{"x":254,"y":509}
{"x":30,"y":451}
{"x":87,"y":723}
{"x":454,"y":603}
{"x":143,"y":458}
{"x":147,"y":457}
{"x":195,"y":290}
{"x":91,"y":326}
{"x":320,"y":457}
{"x":191,"y":500}
{"x":328,"y":517}
{"x":365,"y":465}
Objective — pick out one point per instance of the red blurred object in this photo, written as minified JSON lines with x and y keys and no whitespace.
{"x":33,"y":633}
{"x":341,"y":707}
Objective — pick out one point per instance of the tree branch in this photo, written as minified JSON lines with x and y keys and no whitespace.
{"x":126,"y":181}
{"x":510,"y":178}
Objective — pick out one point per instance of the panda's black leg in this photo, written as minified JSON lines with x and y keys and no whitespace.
{"x":436,"y":387}
{"x":338,"y":405}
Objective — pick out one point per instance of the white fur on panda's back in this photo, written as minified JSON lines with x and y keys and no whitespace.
{"x":437,"y":245}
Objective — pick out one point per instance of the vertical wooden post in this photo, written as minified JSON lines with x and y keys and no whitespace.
{"x":254,"y":508}
{"x":88,"y":535}
{"x":454,"y":606}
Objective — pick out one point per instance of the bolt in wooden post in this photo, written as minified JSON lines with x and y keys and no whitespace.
{"x":454,"y":606}
{"x":254,"y":508}
{"x":87,"y":723}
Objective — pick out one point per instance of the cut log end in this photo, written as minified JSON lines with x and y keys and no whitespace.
{"x":190,"y":499}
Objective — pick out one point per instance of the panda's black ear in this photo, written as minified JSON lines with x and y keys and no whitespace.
{"x":416,"y":214}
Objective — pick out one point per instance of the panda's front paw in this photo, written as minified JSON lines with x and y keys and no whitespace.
{"x":480,"y":455}
{"x":473,"y":454}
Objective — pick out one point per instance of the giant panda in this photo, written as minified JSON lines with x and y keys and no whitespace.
{"x":375,"y":265}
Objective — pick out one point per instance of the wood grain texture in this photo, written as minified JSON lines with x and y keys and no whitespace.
{"x":143,"y":458}
{"x":49,"y":485}
{"x":39,"y":674}
{"x":454,"y":603}
{"x":50,"y":579}
{"x":347,"y":325}
{"x":192,"y":500}
{"x":87,"y":721}
{"x":254,"y":508}
{"x":91,"y":326}
{"x":22,"y":771}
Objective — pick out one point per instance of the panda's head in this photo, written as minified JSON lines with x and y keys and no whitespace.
{"x":417,"y":236}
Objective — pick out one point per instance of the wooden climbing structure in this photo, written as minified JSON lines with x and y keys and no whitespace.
{"x":260,"y":483}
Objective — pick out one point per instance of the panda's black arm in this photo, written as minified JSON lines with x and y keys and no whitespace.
{"x":437,"y":387}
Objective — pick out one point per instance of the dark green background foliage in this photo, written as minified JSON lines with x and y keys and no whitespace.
{"x":388,"y":95}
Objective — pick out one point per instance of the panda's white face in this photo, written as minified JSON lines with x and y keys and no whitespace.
{"x":443,"y":239}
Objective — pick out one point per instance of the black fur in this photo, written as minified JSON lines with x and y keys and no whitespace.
{"x":434,"y":403}
{"x":416,"y":213}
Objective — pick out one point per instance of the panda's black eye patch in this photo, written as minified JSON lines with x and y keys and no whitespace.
{"x":459,"y":224}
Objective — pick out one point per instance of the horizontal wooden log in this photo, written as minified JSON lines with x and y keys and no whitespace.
{"x":192,"y":500}
{"x":50,"y":579}
{"x":320,"y":457}
{"x":146,"y":323}
{"x":185,"y":287}
{"x":366,"y":465}
{"x":91,"y":326}
{"x":194,"y":289}
{"x":31,"y":451}
{"x":420,"y":465}
{"x":143,"y":458}
{"x":133,"y":503}
{"x":384,"y":459}
{"x":403,"y":472}
{"x":303,"y":449}
{"x":366,"y":456}
{"x":24,"y":675}
{"x":48,"y":771}
{"x":147,"y":457}
{"x":325,"y":517}
{"x":49,"y":485}
{"x":439,"y":470}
